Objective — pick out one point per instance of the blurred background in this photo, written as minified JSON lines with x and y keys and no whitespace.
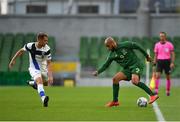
{"x":77,"y":29}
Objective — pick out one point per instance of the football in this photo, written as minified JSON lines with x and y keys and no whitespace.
{"x":142,"y":102}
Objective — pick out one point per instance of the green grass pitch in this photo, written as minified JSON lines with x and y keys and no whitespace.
{"x":83,"y":103}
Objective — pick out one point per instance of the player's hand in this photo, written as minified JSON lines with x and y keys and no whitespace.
{"x":154,"y":63}
{"x":95,"y":73}
{"x":50,"y":80}
{"x":11,"y":64}
{"x":172,"y":65}
{"x":148,"y":58}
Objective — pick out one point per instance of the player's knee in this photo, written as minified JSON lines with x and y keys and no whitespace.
{"x":39,"y":80}
{"x":115,"y":80}
{"x":135,"y":81}
{"x":168,"y":77}
{"x":157,"y":76}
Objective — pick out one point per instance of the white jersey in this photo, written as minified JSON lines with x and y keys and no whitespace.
{"x":38,"y":56}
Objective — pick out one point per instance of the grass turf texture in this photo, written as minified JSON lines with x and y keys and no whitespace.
{"x":83,"y":103}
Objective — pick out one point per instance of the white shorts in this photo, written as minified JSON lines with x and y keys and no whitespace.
{"x":37,"y":73}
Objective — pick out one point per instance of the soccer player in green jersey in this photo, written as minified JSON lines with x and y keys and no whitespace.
{"x":123,"y":53}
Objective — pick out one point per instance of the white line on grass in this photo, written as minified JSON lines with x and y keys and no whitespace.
{"x":158,"y":113}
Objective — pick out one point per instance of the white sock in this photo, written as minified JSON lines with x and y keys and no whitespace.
{"x":41,"y":92}
{"x":31,"y":82}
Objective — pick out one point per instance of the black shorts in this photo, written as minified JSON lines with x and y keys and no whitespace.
{"x":163,"y":65}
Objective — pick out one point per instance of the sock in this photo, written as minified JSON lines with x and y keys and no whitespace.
{"x":168,"y":85}
{"x":33,"y":84}
{"x":115,"y":92}
{"x":157,"y":85}
{"x":41,"y":91}
{"x":145,"y":88}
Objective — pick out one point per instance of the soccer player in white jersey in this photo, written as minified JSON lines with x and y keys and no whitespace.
{"x":39,"y":63}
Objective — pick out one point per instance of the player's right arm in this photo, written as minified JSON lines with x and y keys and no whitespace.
{"x":18,"y":53}
{"x":26,"y":47}
{"x":155,"y":59}
{"x":104,"y":66}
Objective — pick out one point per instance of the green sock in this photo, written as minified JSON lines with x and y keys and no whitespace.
{"x":145,"y":88}
{"x":115,"y":92}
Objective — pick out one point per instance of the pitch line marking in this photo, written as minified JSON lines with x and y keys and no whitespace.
{"x":158,"y":112}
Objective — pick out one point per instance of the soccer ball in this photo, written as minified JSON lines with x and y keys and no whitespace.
{"x":142,"y":102}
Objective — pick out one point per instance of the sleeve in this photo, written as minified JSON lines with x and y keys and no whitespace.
{"x":27,"y":47}
{"x":138,"y":47}
{"x":106,"y":64}
{"x":155,"y":48}
{"x":48,"y":55}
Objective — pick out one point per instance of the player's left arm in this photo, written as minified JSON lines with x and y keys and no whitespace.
{"x":48,"y":58}
{"x":172,"y":59}
{"x":171,"y":47}
{"x":50,"y":76}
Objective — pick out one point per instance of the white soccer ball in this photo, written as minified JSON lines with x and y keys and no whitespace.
{"x":142,"y":102}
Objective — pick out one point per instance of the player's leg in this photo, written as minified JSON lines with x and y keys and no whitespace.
{"x":136,"y":81}
{"x":157,"y":82}
{"x":118,"y":77}
{"x":41,"y":91}
{"x":168,"y":84}
{"x":158,"y":75}
{"x":136,"y":71}
{"x":36,"y":74}
{"x":32,"y":83}
{"x":167,"y":70}
{"x":45,"y":78}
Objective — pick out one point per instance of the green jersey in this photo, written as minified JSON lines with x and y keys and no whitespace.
{"x":124,"y":55}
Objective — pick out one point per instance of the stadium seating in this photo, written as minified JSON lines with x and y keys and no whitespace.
{"x":6,"y":51}
{"x":30,"y":37}
{"x":18,"y":43}
{"x":176,"y":42}
{"x":102,"y":49}
{"x":116,"y":38}
{"x":93,"y":51}
{"x":124,"y":39}
{"x":52,"y":44}
{"x":83,"y":52}
{"x":1,"y":42}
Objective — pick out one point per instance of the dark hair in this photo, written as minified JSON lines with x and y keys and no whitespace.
{"x":164,"y":33}
{"x":41,"y":35}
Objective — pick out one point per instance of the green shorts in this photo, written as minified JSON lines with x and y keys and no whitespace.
{"x":134,"y":69}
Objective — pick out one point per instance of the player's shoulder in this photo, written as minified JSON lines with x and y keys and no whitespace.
{"x":168,"y":42}
{"x":123,"y":43}
{"x":47,"y":47}
{"x":29,"y":45}
{"x":157,"y":43}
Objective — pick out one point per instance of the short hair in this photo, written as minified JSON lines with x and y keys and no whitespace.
{"x":41,"y":35}
{"x":163,"y":33}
